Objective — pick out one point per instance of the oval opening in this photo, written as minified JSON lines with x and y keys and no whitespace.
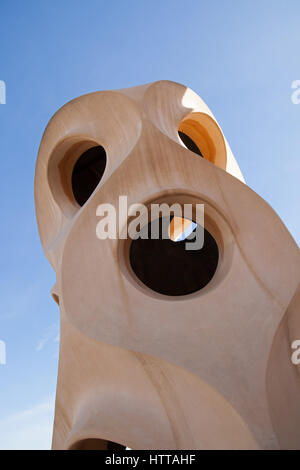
{"x":97,"y":444}
{"x":201,"y":134}
{"x":87,"y":173}
{"x":166,"y":266}
{"x":189,"y":143}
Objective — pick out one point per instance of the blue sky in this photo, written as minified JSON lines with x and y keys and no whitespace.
{"x":241,"y":57}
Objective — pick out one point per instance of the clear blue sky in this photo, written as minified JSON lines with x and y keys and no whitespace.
{"x":239,"y":56}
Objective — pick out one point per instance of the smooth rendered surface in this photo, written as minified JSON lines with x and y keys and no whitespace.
{"x":211,"y":370}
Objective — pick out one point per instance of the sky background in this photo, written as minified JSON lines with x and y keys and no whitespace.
{"x":241,"y":57}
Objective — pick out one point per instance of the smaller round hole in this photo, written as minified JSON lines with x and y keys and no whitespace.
{"x":87,"y":173}
{"x":189,"y":143}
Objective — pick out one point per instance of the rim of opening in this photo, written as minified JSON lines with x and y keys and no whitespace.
{"x":60,"y":168}
{"x":206,"y":135}
{"x":216,"y":225}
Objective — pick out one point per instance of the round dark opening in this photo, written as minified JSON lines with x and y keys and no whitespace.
{"x":189,"y":143}
{"x":87,"y":173}
{"x":167,"y":267}
{"x":98,"y":444}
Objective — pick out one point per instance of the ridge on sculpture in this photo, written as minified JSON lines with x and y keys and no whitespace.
{"x":161,"y":347}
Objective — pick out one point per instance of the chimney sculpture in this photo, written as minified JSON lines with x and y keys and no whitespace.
{"x":163,"y":347}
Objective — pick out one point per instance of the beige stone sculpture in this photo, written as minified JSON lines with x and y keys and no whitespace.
{"x":157,"y":353}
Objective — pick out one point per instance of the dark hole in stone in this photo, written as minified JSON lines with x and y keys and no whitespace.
{"x":189,"y":143}
{"x":98,"y":444}
{"x":87,"y":173}
{"x":166,"y":267}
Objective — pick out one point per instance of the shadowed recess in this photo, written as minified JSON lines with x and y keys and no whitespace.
{"x":167,"y":267}
{"x":97,"y":444}
{"x":189,"y":143}
{"x":87,"y":173}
